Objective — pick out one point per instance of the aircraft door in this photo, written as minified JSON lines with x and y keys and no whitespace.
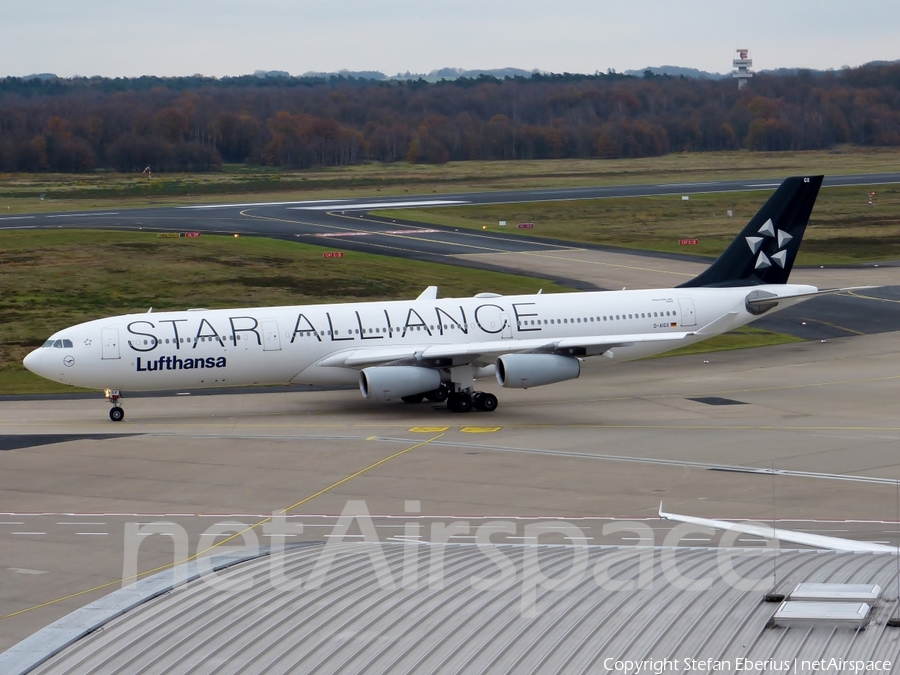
{"x":109,"y":338}
{"x":271,"y":339}
{"x":507,"y":326}
{"x":688,"y":316}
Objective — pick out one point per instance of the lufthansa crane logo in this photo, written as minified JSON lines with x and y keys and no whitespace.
{"x":770,"y":236}
{"x":69,"y":361}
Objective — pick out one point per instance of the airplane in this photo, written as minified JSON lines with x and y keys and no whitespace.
{"x":436,"y":349}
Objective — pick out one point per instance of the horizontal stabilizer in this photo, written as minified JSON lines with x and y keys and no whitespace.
{"x":790,"y":299}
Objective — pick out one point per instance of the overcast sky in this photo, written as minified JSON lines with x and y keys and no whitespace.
{"x":236,"y":37}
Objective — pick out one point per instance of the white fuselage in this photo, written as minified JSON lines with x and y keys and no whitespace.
{"x":282,"y":345}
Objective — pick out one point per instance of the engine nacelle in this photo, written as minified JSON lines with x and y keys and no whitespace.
{"x":381,"y":383}
{"x":520,"y":371}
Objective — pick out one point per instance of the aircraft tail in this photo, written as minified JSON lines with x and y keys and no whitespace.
{"x":765,"y":250}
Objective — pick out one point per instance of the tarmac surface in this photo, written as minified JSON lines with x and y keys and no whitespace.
{"x":805,"y":433}
{"x":703,"y":433}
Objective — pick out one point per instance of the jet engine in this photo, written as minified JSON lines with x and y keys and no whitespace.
{"x":520,"y":371}
{"x":381,"y":383}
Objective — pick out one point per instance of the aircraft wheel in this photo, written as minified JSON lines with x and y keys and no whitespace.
{"x":459,"y":402}
{"x":414,"y":398}
{"x":116,"y":414}
{"x":486,"y":402}
{"x":439,"y":395}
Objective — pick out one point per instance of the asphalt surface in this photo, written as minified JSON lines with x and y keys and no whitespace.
{"x":345,"y":221}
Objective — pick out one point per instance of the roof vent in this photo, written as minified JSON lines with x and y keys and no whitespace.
{"x":849,"y":614}
{"x":836,"y":592}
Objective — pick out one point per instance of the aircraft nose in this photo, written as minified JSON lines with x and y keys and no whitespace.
{"x":32,"y":362}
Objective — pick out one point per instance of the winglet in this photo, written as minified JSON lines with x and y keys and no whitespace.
{"x":429,"y":293}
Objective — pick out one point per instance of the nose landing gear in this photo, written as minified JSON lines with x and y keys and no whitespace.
{"x":116,"y":413}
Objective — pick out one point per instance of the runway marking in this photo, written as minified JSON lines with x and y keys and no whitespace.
{"x":331,"y":227}
{"x":259,"y":523}
{"x":428,"y":430}
{"x":22,"y":570}
{"x":29,"y":533}
{"x":476,"y":234}
{"x":486,"y":249}
{"x":225,"y":206}
{"x":373,"y":232}
{"x":832,"y":325}
{"x":479,"y":430}
{"x":678,"y":463}
{"x":538,"y":254}
{"x":383,"y":205}
{"x":82,"y":215}
{"x":869,"y":297}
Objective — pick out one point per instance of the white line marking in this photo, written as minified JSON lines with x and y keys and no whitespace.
{"x":98,"y":533}
{"x":29,"y":533}
{"x":373,"y":233}
{"x":225,"y":206}
{"x":22,"y":570}
{"x":84,"y":523}
{"x":12,"y":522}
{"x":17,"y":218}
{"x":82,"y":215}
{"x":382,"y":205}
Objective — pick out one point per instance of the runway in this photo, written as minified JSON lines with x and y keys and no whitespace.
{"x":346,"y":221}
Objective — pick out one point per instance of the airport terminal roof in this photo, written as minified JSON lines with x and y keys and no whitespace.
{"x":436,"y":618}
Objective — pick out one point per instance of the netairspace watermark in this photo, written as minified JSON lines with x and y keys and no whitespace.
{"x":741,"y":664}
{"x":510,"y":565}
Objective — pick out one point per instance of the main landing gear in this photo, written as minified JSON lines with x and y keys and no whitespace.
{"x":116,"y":413}
{"x":457,"y":401}
{"x":464,"y":401}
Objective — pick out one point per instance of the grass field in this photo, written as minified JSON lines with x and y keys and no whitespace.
{"x":843,"y":228}
{"x":21,"y":193}
{"x":53,"y":279}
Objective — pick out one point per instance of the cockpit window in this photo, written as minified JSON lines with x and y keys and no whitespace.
{"x":59,"y":344}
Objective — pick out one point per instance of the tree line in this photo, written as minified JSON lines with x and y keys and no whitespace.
{"x":198,"y":123}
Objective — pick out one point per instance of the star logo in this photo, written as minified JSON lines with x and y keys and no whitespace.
{"x":87,"y":343}
{"x":769,"y":234}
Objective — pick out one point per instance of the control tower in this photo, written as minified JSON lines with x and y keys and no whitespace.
{"x":743,"y":63}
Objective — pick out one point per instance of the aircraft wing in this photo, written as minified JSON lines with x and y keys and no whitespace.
{"x":766,"y":532}
{"x":464,"y":353}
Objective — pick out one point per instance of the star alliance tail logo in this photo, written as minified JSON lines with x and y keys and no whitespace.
{"x":756,"y":243}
